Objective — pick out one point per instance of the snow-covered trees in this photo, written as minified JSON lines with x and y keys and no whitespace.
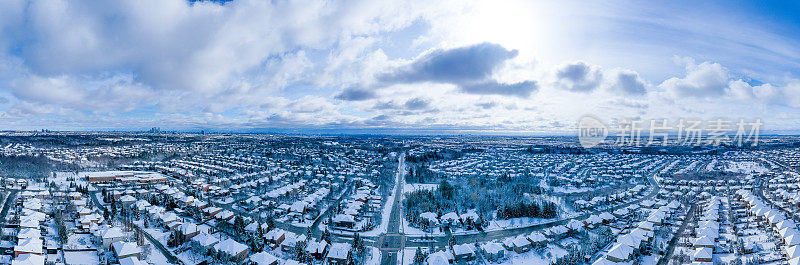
{"x":541,"y":209}
{"x":420,"y":256}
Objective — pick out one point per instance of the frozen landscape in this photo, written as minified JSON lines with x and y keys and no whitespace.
{"x":203,"y":199}
{"x":399,"y":132}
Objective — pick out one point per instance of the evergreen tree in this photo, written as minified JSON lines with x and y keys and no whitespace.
{"x":299,"y":251}
{"x":270,"y":222}
{"x":326,"y":236}
{"x":358,"y":243}
{"x":419,"y":257}
{"x":113,"y":209}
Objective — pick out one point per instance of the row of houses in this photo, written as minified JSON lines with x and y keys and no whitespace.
{"x":785,"y":229}
{"x":641,"y":236}
{"x":30,"y":242}
{"x":359,"y":207}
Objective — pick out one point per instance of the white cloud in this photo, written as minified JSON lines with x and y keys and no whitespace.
{"x":788,"y":94}
{"x":111,"y":94}
{"x":704,"y":80}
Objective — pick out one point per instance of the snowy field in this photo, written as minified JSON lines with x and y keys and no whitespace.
{"x":408,"y":255}
{"x":412,"y":187}
{"x":375,"y":256}
{"x":79,"y":242}
{"x":155,"y":256}
{"x":745,"y":167}
{"x":571,"y":189}
{"x":158,"y":234}
{"x":60,"y":179}
{"x":81,"y":257}
{"x":547,"y":256}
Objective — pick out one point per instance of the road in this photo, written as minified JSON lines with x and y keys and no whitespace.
{"x":9,"y":201}
{"x":674,"y":241}
{"x":316,"y":232}
{"x":393,"y":241}
{"x":12,"y":195}
{"x":758,"y":191}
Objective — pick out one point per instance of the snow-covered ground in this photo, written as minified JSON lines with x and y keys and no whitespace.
{"x":375,"y":256}
{"x":158,"y":234}
{"x":412,"y":187}
{"x":571,"y":189}
{"x":81,"y":257}
{"x":689,"y":167}
{"x":61,"y":182}
{"x":711,"y":165}
{"x":499,"y":224}
{"x":155,"y":256}
{"x":79,"y":241}
{"x":408,"y":256}
{"x":745,"y":167}
{"x":547,"y":256}
{"x":412,"y":231}
{"x":190,"y":257}
{"x":650,"y":260}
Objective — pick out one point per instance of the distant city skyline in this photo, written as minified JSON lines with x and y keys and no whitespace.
{"x":394,"y":67}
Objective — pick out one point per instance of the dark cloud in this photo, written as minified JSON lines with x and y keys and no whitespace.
{"x":382,"y":117}
{"x":521,"y":89}
{"x":556,"y":124}
{"x":629,"y":82}
{"x":380,"y":120}
{"x":417,"y":112}
{"x":470,"y":68}
{"x":487,"y":105}
{"x":385,"y":105}
{"x":416,"y":103}
{"x":579,"y":77}
{"x":355,"y":94}
{"x":457,"y":66}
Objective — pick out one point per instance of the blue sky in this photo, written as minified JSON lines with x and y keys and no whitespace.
{"x":394,"y":66}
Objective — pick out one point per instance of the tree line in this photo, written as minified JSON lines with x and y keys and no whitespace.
{"x":535,"y":209}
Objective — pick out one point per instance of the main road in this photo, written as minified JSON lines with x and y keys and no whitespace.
{"x":681,"y":230}
{"x":393,"y":241}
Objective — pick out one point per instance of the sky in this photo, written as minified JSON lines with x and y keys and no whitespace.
{"x":395,"y":66}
